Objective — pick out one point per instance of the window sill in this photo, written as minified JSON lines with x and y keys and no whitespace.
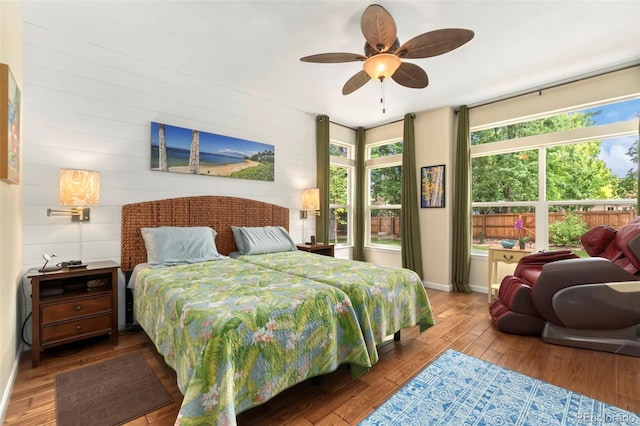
{"x":383,"y":248}
{"x":482,"y":255}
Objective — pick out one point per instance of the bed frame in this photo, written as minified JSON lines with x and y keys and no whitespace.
{"x":217,"y":212}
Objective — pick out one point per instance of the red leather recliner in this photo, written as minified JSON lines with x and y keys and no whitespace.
{"x":585,"y":302}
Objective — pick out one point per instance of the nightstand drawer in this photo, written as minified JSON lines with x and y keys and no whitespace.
{"x":76,"y":308}
{"x":66,"y":330}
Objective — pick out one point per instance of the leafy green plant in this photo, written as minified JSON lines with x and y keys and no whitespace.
{"x":264,"y":171}
{"x":567,"y":232}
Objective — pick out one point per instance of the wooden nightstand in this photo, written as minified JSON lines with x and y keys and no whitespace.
{"x":499,"y":254}
{"x":73,"y":304}
{"x":317,"y":248}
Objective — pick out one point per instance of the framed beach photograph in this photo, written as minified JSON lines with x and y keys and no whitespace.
{"x":180,"y":150}
{"x":10,"y":105}
{"x":432,"y":182}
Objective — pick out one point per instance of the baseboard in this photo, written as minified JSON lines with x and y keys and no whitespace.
{"x":6,"y":395}
{"x":449,"y":288}
{"x":437,"y":286}
{"x":479,"y":288}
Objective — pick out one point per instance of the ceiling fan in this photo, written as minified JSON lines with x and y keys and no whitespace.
{"x":383,"y":53}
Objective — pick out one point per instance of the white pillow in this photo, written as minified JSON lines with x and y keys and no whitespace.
{"x":169,"y":245}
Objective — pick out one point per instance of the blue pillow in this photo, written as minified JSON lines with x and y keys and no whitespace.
{"x":237,"y":235}
{"x":261,"y":240}
{"x":168,"y":245}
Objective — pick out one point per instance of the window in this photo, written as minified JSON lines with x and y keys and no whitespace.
{"x":340,"y":193}
{"x":561,"y":175}
{"x":384,"y":150}
{"x":384,"y":174}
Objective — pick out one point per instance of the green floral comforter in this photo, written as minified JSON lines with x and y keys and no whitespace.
{"x":385,"y":298}
{"x":238,"y":334}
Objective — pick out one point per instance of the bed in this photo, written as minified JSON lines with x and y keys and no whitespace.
{"x":386,"y":299}
{"x":236,"y":334}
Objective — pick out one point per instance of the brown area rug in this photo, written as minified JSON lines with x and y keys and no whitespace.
{"x":108,"y":393}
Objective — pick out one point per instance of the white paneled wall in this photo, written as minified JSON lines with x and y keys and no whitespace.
{"x":90,"y":107}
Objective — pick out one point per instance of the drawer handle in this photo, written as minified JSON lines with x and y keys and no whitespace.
{"x":507,"y":258}
{"x":79,"y":308}
{"x":78,"y":327}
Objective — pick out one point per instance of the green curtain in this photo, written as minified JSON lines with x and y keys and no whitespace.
{"x":359,"y":201}
{"x":461,"y":242}
{"x":409,"y":217}
{"x":322,"y":173}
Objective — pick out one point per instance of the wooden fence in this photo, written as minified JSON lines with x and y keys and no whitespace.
{"x":500,"y":226}
{"x":385,"y":226}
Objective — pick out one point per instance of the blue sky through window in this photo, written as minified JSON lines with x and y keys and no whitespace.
{"x":614,"y":151}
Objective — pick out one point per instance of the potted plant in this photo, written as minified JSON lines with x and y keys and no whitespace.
{"x":522,"y":239}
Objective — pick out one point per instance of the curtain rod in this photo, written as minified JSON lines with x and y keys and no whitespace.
{"x":552,"y":86}
{"x":374,"y":127}
{"x":386,"y":124}
{"x":356,"y":128}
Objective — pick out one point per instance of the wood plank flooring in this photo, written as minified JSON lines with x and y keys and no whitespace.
{"x":462,"y":324}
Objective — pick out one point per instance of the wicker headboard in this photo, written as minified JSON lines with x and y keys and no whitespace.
{"x":217,"y":212}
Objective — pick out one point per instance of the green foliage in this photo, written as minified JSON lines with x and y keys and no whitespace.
{"x":505,"y":177}
{"x":265,"y":156}
{"x":573,"y":172}
{"x":263,"y":171}
{"x":338,"y":185}
{"x":628,"y":185}
{"x":535,"y":127}
{"x":386,"y":184}
{"x":567,"y":232}
{"x":338,"y":191}
{"x":385,"y":150}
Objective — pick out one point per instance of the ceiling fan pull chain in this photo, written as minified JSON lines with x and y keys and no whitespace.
{"x":382,"y":95}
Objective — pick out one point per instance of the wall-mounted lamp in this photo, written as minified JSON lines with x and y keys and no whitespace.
{"x":310,"y":203}
{"x":80,"y":188}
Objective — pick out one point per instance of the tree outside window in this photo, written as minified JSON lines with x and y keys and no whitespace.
{"x":385,"y":188}
{"x":585,"y":184}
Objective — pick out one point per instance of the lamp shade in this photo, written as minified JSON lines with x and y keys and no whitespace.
{"x":311,"y":199}
{"x":382,"y":65}
{"x":79,"y":187}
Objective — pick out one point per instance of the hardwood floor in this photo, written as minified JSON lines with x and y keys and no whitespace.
{"x":462,"y":324}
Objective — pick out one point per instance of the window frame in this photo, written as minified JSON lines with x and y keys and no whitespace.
{"x":547,"y":140}
{"x":349,"y":164}
{"x":378,"y":163}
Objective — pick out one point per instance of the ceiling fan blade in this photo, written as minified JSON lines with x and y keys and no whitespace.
{"x":434,"y":43}
{"x":378,"y":28}
{"x":332,"y":58}
{"x":355,"y":82}
{"x":411,"y":75}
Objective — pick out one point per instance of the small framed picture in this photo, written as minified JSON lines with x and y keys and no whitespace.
{"x":432,"y":182}
{"x":10,"y":101}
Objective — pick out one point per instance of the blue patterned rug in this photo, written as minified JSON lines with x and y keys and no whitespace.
{"x":458,"y":389}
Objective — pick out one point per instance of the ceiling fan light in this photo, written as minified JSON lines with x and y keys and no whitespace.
{"x":382,"y":65}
